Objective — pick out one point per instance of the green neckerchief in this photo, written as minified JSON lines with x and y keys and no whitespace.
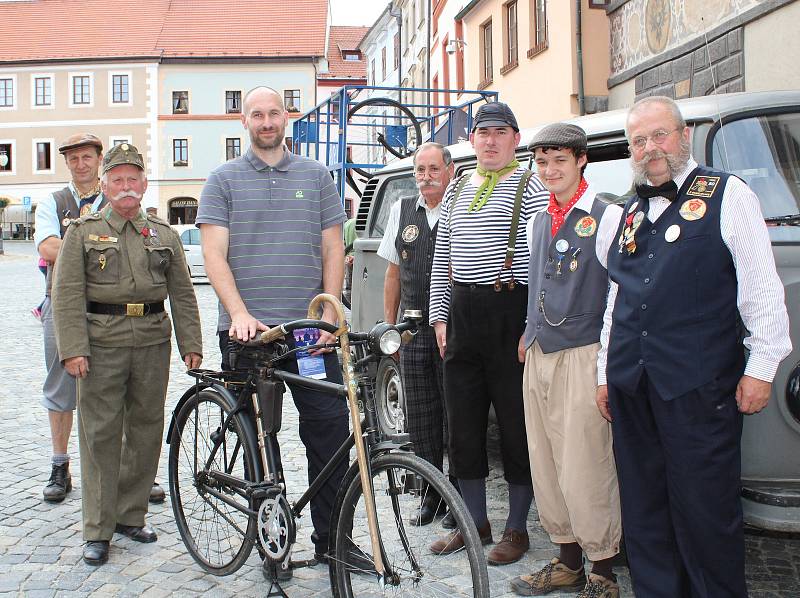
{"x":486,"y":188}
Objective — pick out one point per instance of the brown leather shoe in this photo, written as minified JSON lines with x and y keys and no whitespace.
{"x":510,"y":549}
{"x":455,"y":541}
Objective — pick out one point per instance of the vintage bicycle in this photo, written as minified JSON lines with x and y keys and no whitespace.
{"x":229,"y":494}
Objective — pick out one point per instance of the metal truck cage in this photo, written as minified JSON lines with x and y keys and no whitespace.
{"x":360,"y":128}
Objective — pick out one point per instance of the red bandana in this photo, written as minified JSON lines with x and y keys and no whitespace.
{"x":558,"y":213}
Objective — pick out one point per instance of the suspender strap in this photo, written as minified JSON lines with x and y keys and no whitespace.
{"x":512,"y":234}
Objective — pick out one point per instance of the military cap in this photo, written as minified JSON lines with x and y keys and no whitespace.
{"x":124,"y":153}
{"x":495,"y":114}
{"x":80,"y":140}
{"x":560,"y":135}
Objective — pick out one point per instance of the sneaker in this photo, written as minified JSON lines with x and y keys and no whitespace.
{"x":59,"y":484}
{"x":599,"y":587}
{"x":555,"y":575}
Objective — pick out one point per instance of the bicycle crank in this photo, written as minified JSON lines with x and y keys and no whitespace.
{"x":276,"y":529}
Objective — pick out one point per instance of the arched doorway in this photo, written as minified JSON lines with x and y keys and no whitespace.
{"x":182,"y":210}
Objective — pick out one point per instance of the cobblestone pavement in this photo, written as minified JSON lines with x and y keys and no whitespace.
{"x":40,"y":543}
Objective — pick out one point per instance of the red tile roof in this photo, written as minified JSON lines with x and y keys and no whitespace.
{"x":41,"y":30}
{"x":345,"y":38}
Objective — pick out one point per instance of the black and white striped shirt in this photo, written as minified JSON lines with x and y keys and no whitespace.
{"x":475,"y":242}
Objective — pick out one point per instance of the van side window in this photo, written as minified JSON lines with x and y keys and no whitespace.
{"x":764,"y":151}
{"x":392,"y":190}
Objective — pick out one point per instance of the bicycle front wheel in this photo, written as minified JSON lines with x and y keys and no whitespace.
{"x":401,"y":481}
{"x":211,"y":513}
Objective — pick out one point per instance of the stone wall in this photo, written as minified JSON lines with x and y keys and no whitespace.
{"x":719,"y":67}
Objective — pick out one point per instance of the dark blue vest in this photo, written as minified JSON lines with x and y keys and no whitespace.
{"x":675,"y":315}
{"x":415,"y":243}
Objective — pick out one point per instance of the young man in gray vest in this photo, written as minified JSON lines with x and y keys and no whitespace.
{"x":408,"y":244}
{"x":569,"y":442}
{"x":83,"y":154}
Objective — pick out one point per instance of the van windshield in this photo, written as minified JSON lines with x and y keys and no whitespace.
{"x":764,"y":151}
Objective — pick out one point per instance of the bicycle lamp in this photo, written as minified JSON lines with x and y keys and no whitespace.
{"x":384,"y":338}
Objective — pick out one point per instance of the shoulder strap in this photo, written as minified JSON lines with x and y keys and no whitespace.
{"x":512,"y":234}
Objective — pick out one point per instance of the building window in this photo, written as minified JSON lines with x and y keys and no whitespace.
{"x":486,"y":54}
{"x":180,"y":152}
{"x":115,"y":141}
{"x":233,"y":148}
{"x":599,"y":3}
{"x":396,"y":51}
{"x":351,"y":55}
{"x":43,"y":91}
{"x":233,"y":102}
{"x":383,"y":64}
{"x":510,"y":36}
{"x":291,"y":99}
{"x":180,"y":102}
{"x":44,"y":155}
{"x":81,"y":90}
{"x":538,"y":27}
{"x":6,"y":156}
{"x":120,"y":93}
{"x":7,"y":93}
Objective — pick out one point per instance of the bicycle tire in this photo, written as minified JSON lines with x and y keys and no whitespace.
{"x":218,"y":536}
{"x":461,"y":573}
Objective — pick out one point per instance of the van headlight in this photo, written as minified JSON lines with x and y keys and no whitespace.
{"x":384,"y":339}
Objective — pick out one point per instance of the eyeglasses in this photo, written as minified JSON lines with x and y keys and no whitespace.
{"x":658,"y":137}
{"x":433,"y":171}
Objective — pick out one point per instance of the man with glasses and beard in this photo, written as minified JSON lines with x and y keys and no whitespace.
{"x":271,"y":231}
{"x":693,"y":263}
{"x":114,"y":271}
{"x":408,"y":244}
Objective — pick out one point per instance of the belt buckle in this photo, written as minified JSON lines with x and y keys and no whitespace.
{"x":135,"y":310}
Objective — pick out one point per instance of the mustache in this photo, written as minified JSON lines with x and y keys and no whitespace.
{"x":675,"y":162}
{"x":129,"y":193}
{"x":429,"y":184}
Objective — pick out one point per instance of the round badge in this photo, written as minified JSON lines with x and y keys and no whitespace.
{"x":637,"y":219}
{"x":562,"y":246}
{"x":586,"y":226}
{"x":410,"y":233}
{"x":673,"y":232}
{"x":65,"y":222}
{"x":124,"y":147}
{"x":693,"y":209}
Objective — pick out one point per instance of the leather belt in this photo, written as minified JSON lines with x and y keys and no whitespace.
{"x":133,"y":310}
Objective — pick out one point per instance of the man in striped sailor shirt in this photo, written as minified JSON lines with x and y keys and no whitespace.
{"x":478,"y":302}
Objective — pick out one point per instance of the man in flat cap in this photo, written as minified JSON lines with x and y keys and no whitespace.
{"x":569,"y":442}
{"x":477,"y":308}
{"x":114,"y":271}
{"x":82,"y":153}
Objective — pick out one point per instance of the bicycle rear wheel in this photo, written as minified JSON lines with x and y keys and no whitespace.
{"x":217,"y":534}
{"x":416,"y":571}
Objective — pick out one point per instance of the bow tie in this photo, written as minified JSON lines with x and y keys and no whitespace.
{"x":668,"y":190}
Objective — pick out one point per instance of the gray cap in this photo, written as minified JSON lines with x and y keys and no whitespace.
{"x":560,"y":135}
{"x":124,"y":153}
{"x":495,"y":114}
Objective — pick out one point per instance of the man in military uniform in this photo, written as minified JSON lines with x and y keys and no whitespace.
{"x":82,"y":153}
{"x":115,"y":269}
{"x":408,"y":244}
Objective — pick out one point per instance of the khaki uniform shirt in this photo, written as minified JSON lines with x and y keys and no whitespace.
{"x":108,"y":259}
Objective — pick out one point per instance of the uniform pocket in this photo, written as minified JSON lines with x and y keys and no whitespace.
{"x":102,"y":263}
{"x":159,"y":261}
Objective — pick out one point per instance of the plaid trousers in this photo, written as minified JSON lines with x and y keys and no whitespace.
{"x":426,"y":419}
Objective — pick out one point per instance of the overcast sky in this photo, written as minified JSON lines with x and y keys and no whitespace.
{"x":356,"y":12}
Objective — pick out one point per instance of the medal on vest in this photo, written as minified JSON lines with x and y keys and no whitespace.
{"x":672,"y":234}
{"x":102,"y":261}
{"x":65,"y":222}
{"x":410,"y":233}
{"x":573,"y":264}
{"x":703,"y":186}
{"x":693,"y":209}
{"x":404,"y":254}
{"x":586,"y":226}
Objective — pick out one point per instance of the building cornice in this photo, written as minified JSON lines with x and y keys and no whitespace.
{"x":466,"y":10}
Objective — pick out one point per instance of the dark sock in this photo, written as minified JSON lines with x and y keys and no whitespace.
{"x":571,"y":555}
{"x":604,"y":568}
{"x":520,"y":497}
{"x":474,"y":494}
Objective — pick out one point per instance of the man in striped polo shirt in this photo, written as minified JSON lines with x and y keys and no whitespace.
{"x":477,"y":308}
{"x":271,"y":230}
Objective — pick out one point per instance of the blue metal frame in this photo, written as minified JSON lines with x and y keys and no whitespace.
{"x":322,"y":132}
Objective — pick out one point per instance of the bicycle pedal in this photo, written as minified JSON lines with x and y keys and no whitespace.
{"x":264,"y":490}
{"x":299,"y":564}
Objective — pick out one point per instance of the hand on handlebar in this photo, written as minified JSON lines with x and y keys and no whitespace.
{"x":245,"y":327}
{"x":325,"y":337}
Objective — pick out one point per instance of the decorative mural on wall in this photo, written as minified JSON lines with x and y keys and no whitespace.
{"x":642,"y":29}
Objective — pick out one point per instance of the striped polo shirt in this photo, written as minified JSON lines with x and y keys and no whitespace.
{"x":275,"y":217}
{"x":475,"y":243}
